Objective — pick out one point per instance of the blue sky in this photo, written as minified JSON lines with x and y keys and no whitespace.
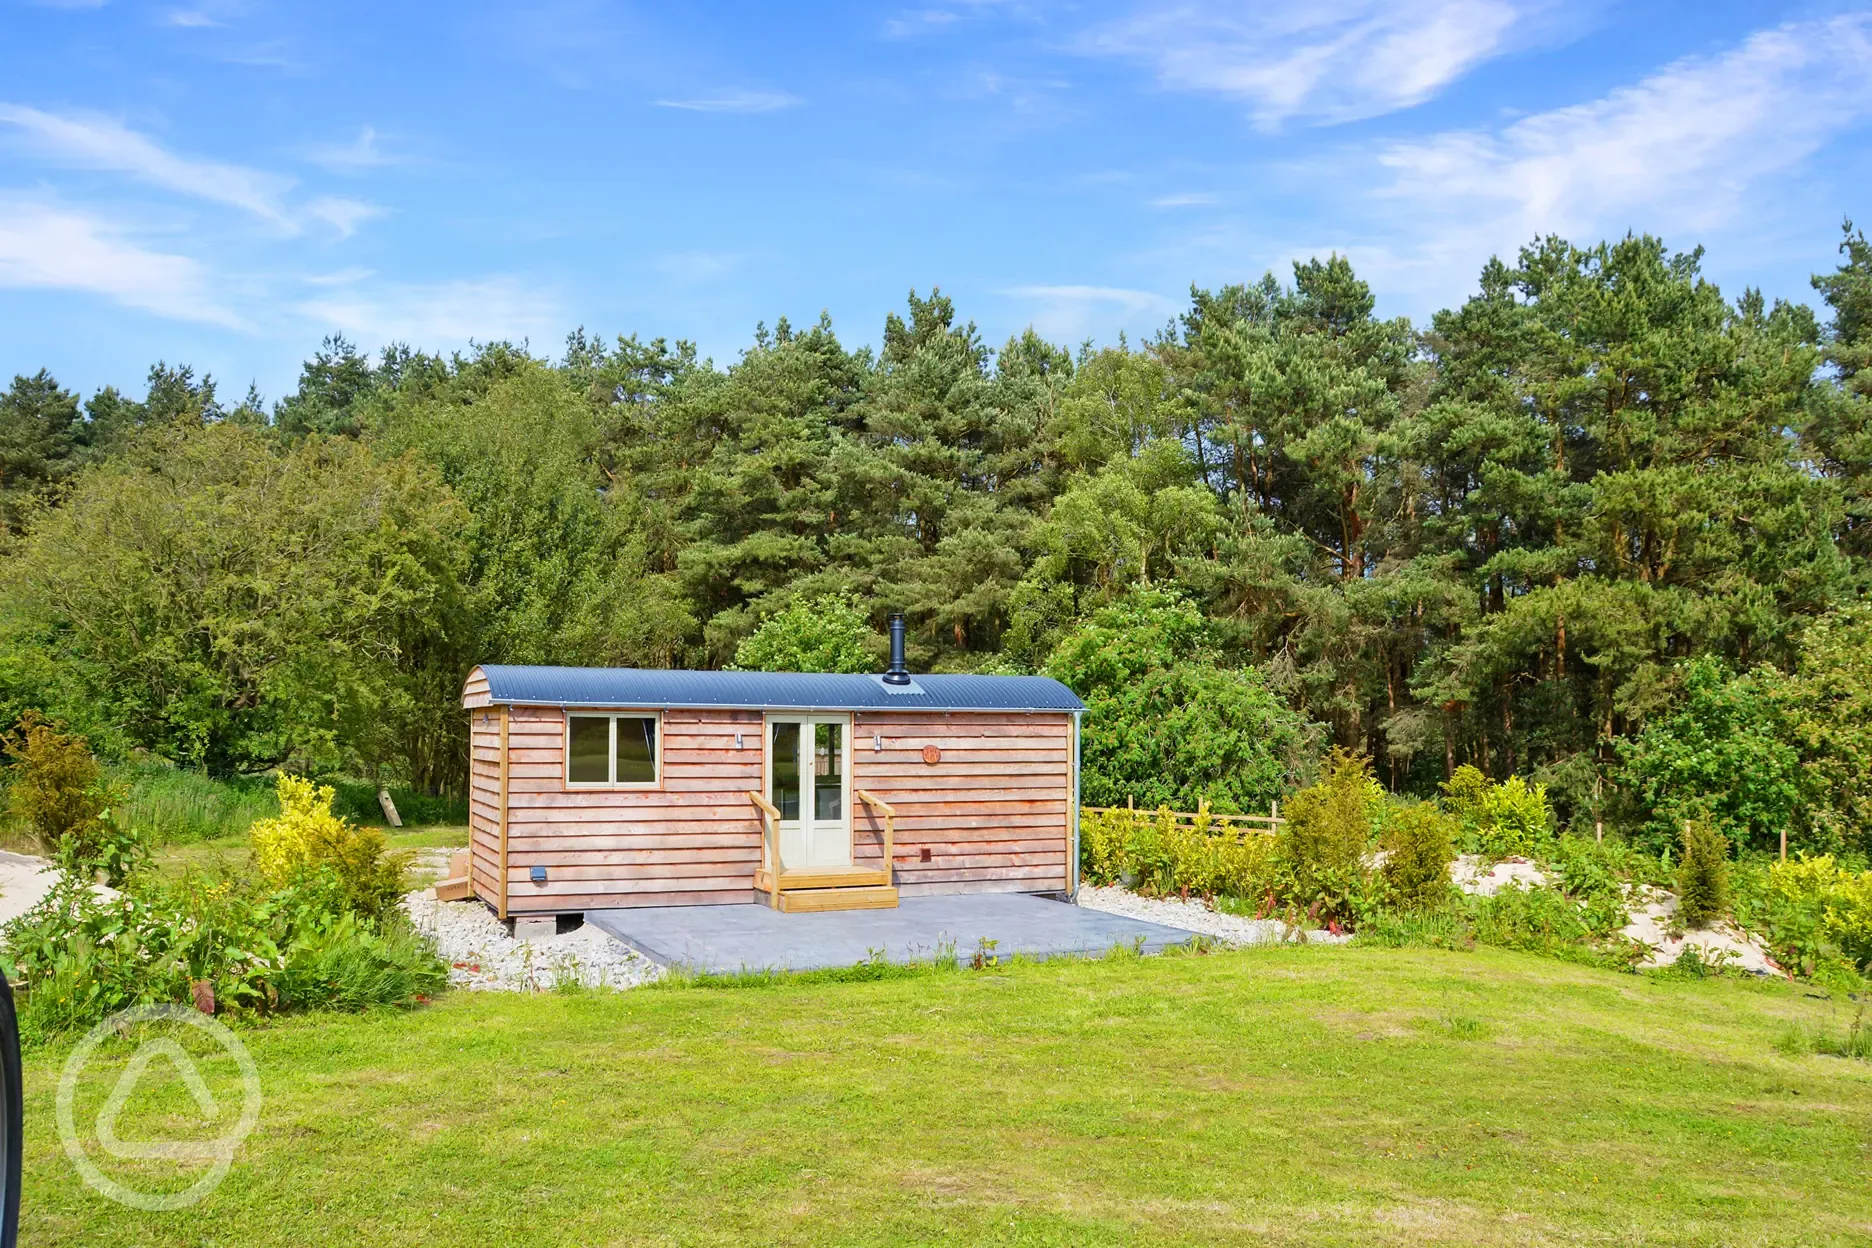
{"x":224,"y":183}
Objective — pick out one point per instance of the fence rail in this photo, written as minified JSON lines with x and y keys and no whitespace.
{"x":1269,"y":823}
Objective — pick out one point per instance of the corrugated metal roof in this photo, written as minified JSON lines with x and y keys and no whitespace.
{"x":790,"y":691}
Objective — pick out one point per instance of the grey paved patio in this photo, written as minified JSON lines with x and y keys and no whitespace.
{"x":754,"y":937}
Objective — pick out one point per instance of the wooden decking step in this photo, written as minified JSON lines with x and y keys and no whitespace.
{"x":454,"y":886}
{"x":823,"y":877}
{"x":807,"y":900}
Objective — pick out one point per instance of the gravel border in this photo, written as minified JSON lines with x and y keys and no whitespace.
{"x":1196,"y":916}
{"x":482,"y":957}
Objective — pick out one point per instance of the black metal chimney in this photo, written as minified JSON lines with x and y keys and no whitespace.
{"x":897,"y":673}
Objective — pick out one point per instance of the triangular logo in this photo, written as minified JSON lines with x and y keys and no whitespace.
{"x":177,"y":1150}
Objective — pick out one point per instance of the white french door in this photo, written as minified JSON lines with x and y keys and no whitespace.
{"x":809,"y":783}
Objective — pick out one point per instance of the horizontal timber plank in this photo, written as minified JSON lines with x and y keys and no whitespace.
{"x":743,"y":870}
{"x":649,"y":840}
{"x":631,"y":901}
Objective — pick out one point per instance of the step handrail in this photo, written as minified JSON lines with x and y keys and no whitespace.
{"x":770,"y":843}
{"x":890,"y":825}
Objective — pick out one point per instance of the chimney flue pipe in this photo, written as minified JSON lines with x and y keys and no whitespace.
{"x":897,"y":673}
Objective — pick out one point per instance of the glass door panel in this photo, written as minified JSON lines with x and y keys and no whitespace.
{"x":786,"y":769}
{"x":829,"y":773}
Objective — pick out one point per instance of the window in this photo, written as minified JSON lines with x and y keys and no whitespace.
{"x":611,"y":749}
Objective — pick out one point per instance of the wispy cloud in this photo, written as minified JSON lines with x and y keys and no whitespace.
{"x":1681,"y":148}
{"x":736,"y":102}
{"x":1071,"y":313}
{"x":48,"y":246}
{"x":1326,"y":60}
{"x":89,"y":141}
{"x":914,"y":22}
{"x":361,"y":153}
{"x":437,"y":314}
{"x":343,"y":215}
{"x":1189,"y":199}
{"x":188,"y":18}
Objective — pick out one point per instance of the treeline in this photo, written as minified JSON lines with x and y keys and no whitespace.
{"x":1494,"y":540}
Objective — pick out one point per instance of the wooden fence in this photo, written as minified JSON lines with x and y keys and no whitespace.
{"x":1269,"y":823}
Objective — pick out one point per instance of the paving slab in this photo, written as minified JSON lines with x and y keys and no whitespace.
{"x":726,"y":939}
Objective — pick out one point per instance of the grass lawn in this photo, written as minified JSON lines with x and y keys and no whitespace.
{"x":1285,"y":1096}
{"x":232,"y":851}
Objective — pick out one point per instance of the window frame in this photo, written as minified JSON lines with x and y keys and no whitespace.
{"x":611,"y":717}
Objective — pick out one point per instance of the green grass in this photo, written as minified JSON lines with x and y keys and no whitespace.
{"x":1280,"y":1096}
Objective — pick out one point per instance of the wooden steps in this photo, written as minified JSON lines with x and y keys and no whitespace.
{"x":864,"y":897}
{"x":455,"y":886}
{"x":810,"y":889}
{"x":822,"y":877}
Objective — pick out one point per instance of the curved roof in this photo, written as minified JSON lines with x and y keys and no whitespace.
{"x":779,"y":691}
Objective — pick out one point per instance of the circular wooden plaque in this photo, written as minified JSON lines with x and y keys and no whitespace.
{"x":932,"y":755}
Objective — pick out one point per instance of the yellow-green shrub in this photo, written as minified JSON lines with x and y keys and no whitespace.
{"x":1420,"y":844}
{"x":1329,"y":829}
{"x":307,"y":837}
{"x":1169,"y":855}
{"x":1503,"y":820}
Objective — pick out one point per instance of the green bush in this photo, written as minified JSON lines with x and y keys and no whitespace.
{"x":1167,"y":855}
{"x":1723,"y":754}
{"x":1419,"y":844}
{"x":1816,"y":914}
{"x":1544,"y":921}
{"x":827,"y":634}
{"x":81,"y":956}
{"x":56,"y":788}
{"x":1505,"y":820}
{"x":1703,"y":874}
{"x":307,"y":837}
{"x":1328,"y":831}
{"x":1166,"y":723}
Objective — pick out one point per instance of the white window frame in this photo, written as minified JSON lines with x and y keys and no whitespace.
{"x":655,"y":717}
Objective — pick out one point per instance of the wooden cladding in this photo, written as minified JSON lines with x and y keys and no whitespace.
{"x":991,"y":814}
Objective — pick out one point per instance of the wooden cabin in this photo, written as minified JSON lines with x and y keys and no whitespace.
{"x":595,"y":788}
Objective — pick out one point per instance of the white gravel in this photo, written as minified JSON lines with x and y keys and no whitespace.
{"x":1474,"y":874}
{"x":1195,"y":916}
{"x":483,"y":957}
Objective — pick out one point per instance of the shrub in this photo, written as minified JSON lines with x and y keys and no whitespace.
{"x":1544,"y":921}
{"x":58,"y":790}
{"x":1509,"y":819}
{"x":1166,"y":723}
{"x":1724,"y":754}
{"x":1169,"y":855}
{"x":82,"y":956}
{"x":351,"y":964}
{"x":306,"y":836}
{"x":1420,"y":845}
{"x":827,"y":634}
{"x":1703,"y":876}
{"x":1328,"y":830}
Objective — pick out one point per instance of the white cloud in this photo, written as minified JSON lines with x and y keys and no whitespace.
{"x":354,"y":157}
{"x":1681,"y":149}
{"x":188,"y":18}
{"x":736,"y":102}
{"x":46,"y":246}
{"x":1331,"y":60}
{"x":436,"y":315}
{"x":343,"y":215}
{"x":95,"y":142}
{"x":1189,"y":199}
{"x":1072,"y":313}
